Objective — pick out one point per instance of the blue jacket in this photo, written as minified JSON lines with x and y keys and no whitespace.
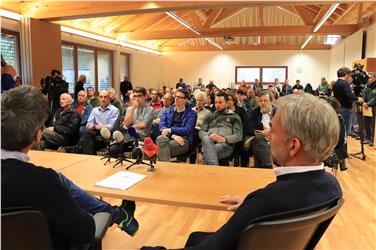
{"x":86,"y":112}
{"x":187,"y":127}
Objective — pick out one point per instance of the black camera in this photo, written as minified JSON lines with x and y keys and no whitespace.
{"x":360,"y":78}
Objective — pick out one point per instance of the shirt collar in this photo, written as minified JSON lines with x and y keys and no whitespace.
{"x":5,"y":154}
{"x":106,"y":108}
{"x":296,"y":169}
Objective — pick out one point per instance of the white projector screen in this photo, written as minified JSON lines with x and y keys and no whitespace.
{"x":247,"y":74}
{"x":269,"y":74}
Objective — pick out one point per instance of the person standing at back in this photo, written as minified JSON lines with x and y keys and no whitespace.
{"x":344,"y":94}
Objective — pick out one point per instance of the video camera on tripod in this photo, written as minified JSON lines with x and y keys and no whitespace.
{"x":359,"y":77}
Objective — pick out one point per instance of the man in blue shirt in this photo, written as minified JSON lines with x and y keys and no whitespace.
{"x":104,"y":116}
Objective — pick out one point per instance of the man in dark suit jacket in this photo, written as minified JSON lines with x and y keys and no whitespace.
{"x":67,"y":208}
{"x":303,"y":133}
{"x":258,"y":125}
{"x":125,"y":86}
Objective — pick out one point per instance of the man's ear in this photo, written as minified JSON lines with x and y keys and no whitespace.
{"x":37,"y":137}
{"x":294,"y":146}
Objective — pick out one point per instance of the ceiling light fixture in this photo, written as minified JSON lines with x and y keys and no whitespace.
{"x":306,"y":41}
{"x":10,"y":14}
{"x":107,"y":40}
{"x":185,"y":24}
{"x":325,"y":17}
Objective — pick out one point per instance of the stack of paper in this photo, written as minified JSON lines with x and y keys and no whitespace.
{"x":121,"y":180}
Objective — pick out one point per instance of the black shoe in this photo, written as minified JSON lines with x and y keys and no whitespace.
{"x":126,"y":221}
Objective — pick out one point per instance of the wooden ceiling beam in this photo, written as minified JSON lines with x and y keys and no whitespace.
{"x":243,"y":31}
{"x":212,"y":17}
{"x":247,"y":47}
{"x":227,"y":14}
{"x":116,"y":23}
{"x":306,"y":15}
{"x":69,"y":10}
{"x":360,"y":13}
{"x":324,"y":9}
{"x":261,"y":22}
{"x":196,"y":20}
{"x":147,"y":23}
{"x":349,"y":7}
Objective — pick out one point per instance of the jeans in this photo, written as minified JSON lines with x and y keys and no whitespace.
{"x":88,"y":202}
{"x":347,"y":116}
{"x":215,"y":151}
{"x":369,"y":126}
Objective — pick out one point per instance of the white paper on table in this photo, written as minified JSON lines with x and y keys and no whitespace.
{"x":121,"y":180}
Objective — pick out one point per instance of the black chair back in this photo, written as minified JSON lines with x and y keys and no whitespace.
{"x":24,"y":228}
{"x":299,"y":229}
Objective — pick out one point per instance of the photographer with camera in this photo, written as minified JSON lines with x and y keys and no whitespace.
{"x":369,"y":94}
{"x":344,"y":94}
{"x":54,"y":86}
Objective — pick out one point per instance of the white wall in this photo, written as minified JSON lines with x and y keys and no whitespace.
{"x":308,"y":66}
{"x":371,"y":41}
{"x":350,"y":49}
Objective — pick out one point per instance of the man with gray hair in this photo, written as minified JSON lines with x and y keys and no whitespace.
{"x":304,"y":132}
{"x":64,"y":128}
{"x":68,"y":208}
{"x":202,"y":112}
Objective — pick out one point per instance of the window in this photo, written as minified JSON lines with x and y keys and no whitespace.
{"x":124,"y":66}
{"x":86,"y":66}
{"x":104,"y":70}
{"x":10,"y":49}
{"x":68,"y":66}
{"x":94,"y":63}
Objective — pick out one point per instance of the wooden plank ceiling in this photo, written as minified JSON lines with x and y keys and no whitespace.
{"x":246,"y":25}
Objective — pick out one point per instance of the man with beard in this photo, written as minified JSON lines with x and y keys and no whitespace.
{"x":259,"y":124}
{"x":220,"y":131}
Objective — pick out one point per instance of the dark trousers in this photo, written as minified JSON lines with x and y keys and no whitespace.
{"x":196,"y":238}
{"x":90,"y":141}
{"x":261,"y":151}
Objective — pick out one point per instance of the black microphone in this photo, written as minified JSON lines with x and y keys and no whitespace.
{"x":132,"y":132}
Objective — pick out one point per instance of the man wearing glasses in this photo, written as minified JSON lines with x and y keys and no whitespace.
{"x":139,"y":115}
{"x":177,"y":126}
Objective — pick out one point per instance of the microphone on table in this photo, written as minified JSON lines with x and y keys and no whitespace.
{"x":149,"y":150}
{"x":116,"y":148}
{"x":132,"y":132}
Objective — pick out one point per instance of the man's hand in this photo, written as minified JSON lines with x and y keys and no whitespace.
{"x":217,"y":138}
{"x":233,"y":200}
{"x":179,"y":139}
{"x":90,"y":126}
{"x":365,"y":105}
{"x":166,"y":131}
{"x":135,"y":104}
{"x":50,"y":129}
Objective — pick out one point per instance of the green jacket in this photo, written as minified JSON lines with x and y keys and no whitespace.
{"x":227,"y":124}
{"x":370,"y":95}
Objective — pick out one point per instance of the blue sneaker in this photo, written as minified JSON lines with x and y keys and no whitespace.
{"x":126,"y":221}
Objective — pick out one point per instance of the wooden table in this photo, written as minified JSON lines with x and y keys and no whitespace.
{"x":179,"y":184}
{"x":55,"y":160}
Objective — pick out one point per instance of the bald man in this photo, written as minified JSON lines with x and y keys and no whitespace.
{"x":64,"y":128}
{"x":104,"y":116}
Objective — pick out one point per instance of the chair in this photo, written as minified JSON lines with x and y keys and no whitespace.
{"x":27,"y":228}
{"x":299,"y":229}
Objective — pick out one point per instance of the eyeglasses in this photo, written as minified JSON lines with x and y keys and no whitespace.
{"x":138,"y":95}
{"x":180,"y":97}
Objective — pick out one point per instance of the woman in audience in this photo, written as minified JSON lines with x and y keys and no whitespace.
{"x":210,"y":103}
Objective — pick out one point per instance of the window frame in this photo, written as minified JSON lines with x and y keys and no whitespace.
{"x":95,"y":49}
{"x":18,"y":49}
{"x":128,"y":56}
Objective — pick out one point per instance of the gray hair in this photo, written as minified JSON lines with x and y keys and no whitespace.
{"x":23,"y":113}
{"x":199,"y":93}
{"x":313,"y":121}
{"x":68,"y":96}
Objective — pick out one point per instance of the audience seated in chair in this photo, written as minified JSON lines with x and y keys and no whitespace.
{"x":167,"y":102}
{"x":304,"y":131}
{"x":139,"y":115}
{"x":177,"y":128}
{"x":240,"y":157}
{"x":84,"y":108}
{"x":68,"y":208}
{"x":106,"y":115}
{"x":258,"y":123}
{"x":91,"y":98}
{"x":220,"y":131}
{"x":64,"y":128}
